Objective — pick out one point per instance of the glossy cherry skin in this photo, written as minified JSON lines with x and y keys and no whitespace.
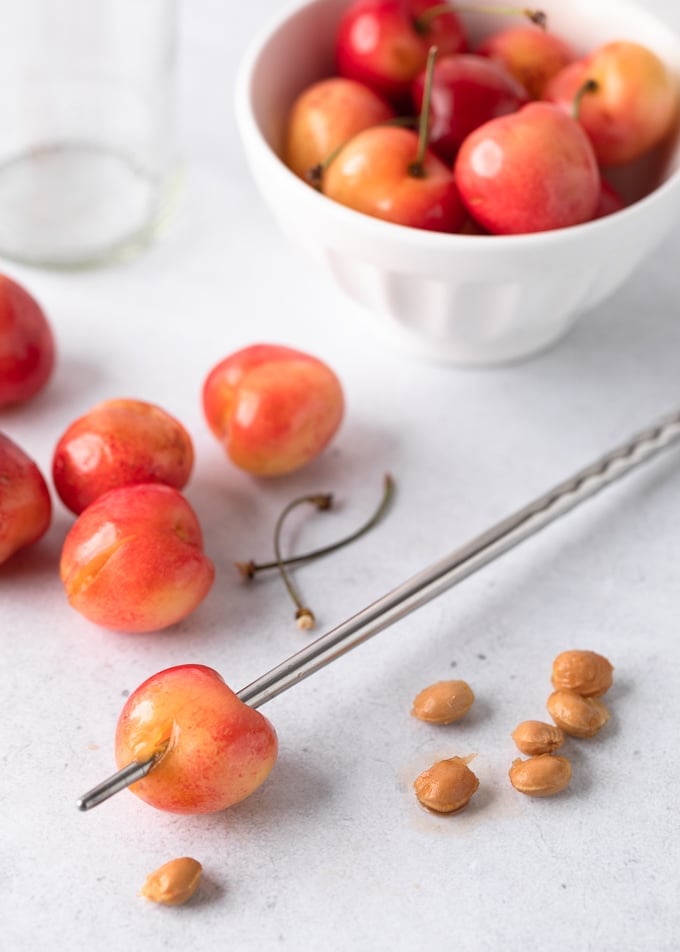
{"x":27,"y":351}
{"x":467,"y":91}
{"x":25,"y":505}
{"x":634,"y":107}
{"x":532,"y":171}
{"x":383,"y":44}
{"x":216,"y":750}
{"x":531,"y":55}
{"x":609,"y":202}
{"x":372,"y":175}
{"x":133,"y":560}
{"x":120,"y":443}
{"x":273,"y":408}
{"x":325,"y":116}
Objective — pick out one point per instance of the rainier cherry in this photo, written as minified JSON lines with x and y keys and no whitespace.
{"x":26,"y":344}
{"x":634,"y":103}
{"x":25,"y":507}
{"x":374,"y":174}
{"x":120,"y":443}
{"x":467,"y":91}
{"x":531,"y":55}
{"x":273,"y":408}
{"x":534,"y":170}
{"x":384,"y":43}
{"x":134,"y":561}
{"x":327,"y":114}
{"x":213,"y":749}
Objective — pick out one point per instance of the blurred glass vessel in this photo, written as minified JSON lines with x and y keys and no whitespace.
{"x":86,"y":127}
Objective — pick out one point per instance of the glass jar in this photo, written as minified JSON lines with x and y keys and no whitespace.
{"x":86,"y":127}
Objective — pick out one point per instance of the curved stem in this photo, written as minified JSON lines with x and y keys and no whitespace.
{"x":589,"y":86}
{"x":304,"y":616}
{"x":424,"y":21}
{"x":249,"y":569}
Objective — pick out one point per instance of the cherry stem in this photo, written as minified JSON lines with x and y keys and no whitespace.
{"x":249,"y":569}
{"x":424,"y":21}
{"x":304,"y":616}
{"x":314,"y":176}
{"x":589,"y":86}
{"x":417,"y":168}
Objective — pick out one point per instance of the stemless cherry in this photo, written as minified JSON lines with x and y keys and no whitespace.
{"x":25,"y":505}
{"x":467,"y":91}
{"x":531,"y":171}
{"x":213,"y":750}
{"x":117,"y":443}
{"x":27,"y":349}
{"x":273,"y":408}
{"x":133,"y":561}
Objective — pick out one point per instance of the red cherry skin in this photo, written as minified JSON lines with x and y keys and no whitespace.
{"x":381,"y":44}
{"x":609,"y":202}
{"x":532,"y":171}
{"x":27,"y":350}
{"x":467,"y":91}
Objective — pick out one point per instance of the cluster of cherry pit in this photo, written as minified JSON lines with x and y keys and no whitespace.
{"x":133,"y":559}
{"x":513,"y":137}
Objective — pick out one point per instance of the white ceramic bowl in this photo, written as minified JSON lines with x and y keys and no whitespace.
{"x":466,"y":299}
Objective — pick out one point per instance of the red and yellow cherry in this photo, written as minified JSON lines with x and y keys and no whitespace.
{"x":25,"y":506}
{"x":532,"y":171}
{"x":120,"y":443}
{"x":133,"y":560}
{"x":380,"y":174}
{"x":324,"y":116}
{"x":213,"y":749}
{"x":632,"y":109}
{"x":384,"y":43}
{"x":531,"y":55}
{"x":467,"y":91}
{"x":273,"y":408}
{"x":27,"y":350}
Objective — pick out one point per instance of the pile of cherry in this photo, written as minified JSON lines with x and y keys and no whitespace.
{"x":514,"y":136}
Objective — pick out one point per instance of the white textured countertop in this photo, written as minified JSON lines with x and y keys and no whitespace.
{"x":333,"y":853}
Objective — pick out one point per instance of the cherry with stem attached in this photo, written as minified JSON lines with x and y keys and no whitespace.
{"x":391,"y":174}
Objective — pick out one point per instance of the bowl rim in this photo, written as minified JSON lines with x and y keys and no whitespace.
{"x":253,"y":137}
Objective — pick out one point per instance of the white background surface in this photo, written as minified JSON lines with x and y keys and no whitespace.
{"x":333,"y":852}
